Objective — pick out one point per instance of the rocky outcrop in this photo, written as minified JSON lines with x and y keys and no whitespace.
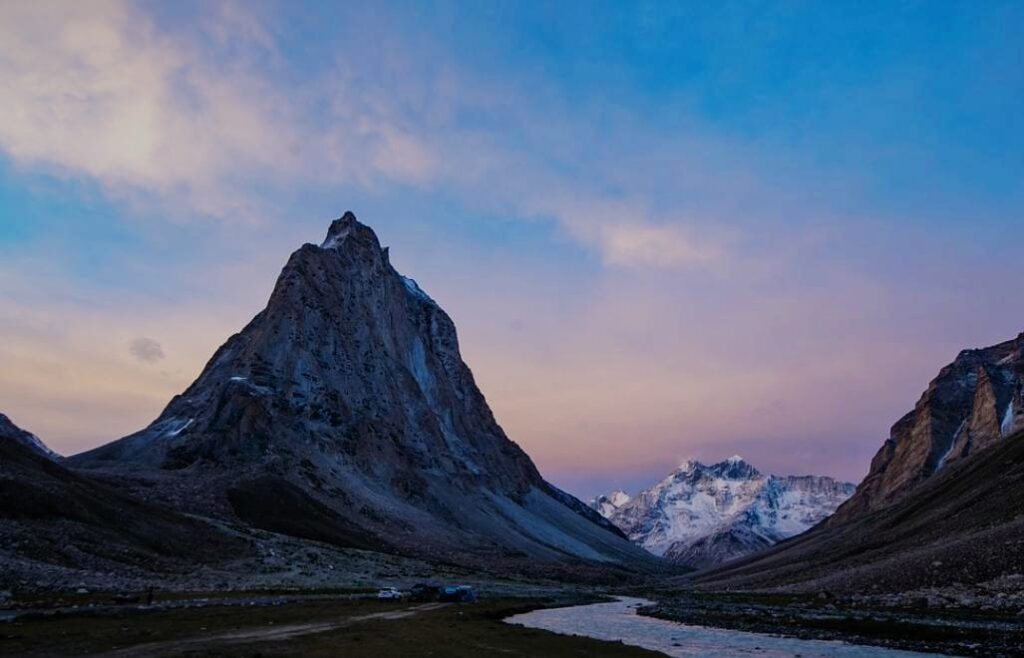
{"x":705,"y":515}
{"x":972,"y":404}
{"x":348,"y":392}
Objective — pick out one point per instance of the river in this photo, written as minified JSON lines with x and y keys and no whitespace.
{"x":619,"y":621}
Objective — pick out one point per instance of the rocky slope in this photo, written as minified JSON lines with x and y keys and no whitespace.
{"x":11,"y":432}
{"x":705,"y":515}
{"x":956,"y":535}
{"x":343,"y":412}
{"x":972,"y":404}
{"x":939,"y":514}
{"x":54,"y":521}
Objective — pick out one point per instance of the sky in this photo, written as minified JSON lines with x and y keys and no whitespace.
{"x":664,"y":230}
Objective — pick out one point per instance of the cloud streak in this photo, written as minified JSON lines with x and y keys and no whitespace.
{"x":99,"y":91}
{"x":146,"y":350}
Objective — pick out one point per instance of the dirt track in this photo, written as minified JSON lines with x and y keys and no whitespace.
{"x":269,"y":633}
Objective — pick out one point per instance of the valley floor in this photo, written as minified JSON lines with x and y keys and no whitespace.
{"x":953,"y":631}
{"x":315,"y":627}
{"x":339,"y":622}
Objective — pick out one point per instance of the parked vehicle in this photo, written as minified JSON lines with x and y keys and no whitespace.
{"x":424,"y":592}
{"x":389,"y":594}
{"x":458,"y":594}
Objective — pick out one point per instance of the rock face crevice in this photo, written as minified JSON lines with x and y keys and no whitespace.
{"x":350,"y":387}
{"x":972,"y":404}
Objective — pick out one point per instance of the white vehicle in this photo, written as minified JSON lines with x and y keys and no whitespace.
{"x":389,"y":594}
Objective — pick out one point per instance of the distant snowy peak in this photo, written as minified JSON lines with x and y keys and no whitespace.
{"x":706,"y":514}
{"x":11,"y":432}
{"x":619,"y":498}
{"x":734,"y":468}
{"x":606,"y":505}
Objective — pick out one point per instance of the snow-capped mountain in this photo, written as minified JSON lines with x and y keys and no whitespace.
{"x":702,"y":515}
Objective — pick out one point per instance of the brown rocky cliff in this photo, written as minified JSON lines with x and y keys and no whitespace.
{"x":972,"y":403}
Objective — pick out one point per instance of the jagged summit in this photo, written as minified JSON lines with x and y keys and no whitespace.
{"x":345,"y":226}
{"x":733,"y":468}
{"x":349,"y":390}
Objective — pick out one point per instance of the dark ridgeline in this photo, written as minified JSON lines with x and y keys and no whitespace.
{"x":343,"y":412}
{"x":54,"y":520}
{"x":9,"y":432}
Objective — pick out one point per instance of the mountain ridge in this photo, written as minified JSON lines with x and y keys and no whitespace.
{"x":938,"y":515}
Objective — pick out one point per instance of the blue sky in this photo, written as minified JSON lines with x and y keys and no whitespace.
{"x":664,"y":230}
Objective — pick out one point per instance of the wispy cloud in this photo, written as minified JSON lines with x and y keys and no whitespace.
{"x":146,"y":350}
{"x":99,"y":91}
{"x":626,"y":233}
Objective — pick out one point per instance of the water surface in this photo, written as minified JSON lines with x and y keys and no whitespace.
{"x":619,"y":621}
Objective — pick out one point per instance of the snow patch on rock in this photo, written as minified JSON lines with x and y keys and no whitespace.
{"x":1007,"y":425}
{"x":38,"y":444}
{"x":335,"y":239}
{"x":417,"y":292}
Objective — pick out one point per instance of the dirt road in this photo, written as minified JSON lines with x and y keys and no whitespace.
{"x":268,"y":633}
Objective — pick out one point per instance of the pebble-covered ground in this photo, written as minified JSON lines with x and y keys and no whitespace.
{"x":953,"y":621}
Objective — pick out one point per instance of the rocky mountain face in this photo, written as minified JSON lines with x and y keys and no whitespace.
{"x":702,"y":515}
{"x":956,"y":539}
{"x":938,"y":517}
{"x":972,"y":404}
{"x":11,"y":432}
{"x":343,"y":412}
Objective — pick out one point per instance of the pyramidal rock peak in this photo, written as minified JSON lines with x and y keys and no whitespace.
{"x":348,"y":393}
